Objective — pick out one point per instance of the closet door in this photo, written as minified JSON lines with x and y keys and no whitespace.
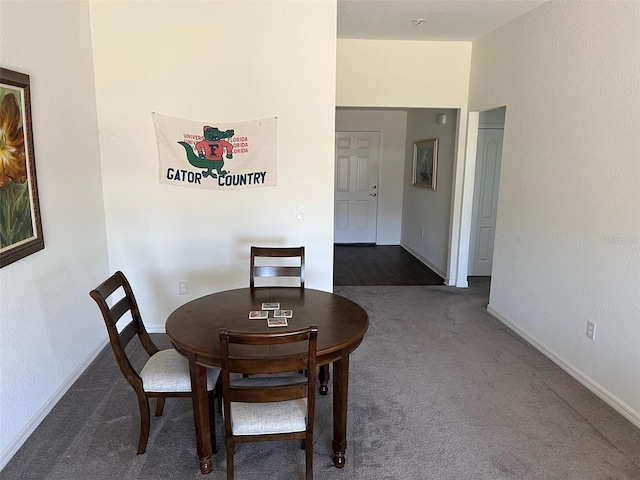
{"x":485,"y":201}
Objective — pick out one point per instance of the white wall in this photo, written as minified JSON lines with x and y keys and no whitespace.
{"x":389,"y":73}
{"x":413,"y":75}
{"x":392,"y":125}
{"x":48,"y":326}
{"x":215,"y":61}
{"x":426,"y":213}
{"x":567,"y":246}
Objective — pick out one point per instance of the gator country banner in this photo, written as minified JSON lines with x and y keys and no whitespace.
{"x":216,"y":155}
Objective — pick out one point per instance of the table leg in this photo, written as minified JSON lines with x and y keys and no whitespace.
{"x":340,"y":402}
{"x":323,"y":379}
{"x":200,"y":401}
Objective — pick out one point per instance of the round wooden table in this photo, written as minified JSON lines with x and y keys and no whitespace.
{"x":193,"y":329}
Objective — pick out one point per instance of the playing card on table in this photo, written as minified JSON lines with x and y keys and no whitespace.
{"x":271,"y":306}
{"x":258,"y":315}
{"x":277,"y":322}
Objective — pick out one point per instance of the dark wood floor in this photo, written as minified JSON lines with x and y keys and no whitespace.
{"x":363,"y":265}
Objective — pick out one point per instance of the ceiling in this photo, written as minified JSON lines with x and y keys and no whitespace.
{"x":444,"y":20}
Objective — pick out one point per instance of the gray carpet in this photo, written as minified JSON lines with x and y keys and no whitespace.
{"x":439,"y":390}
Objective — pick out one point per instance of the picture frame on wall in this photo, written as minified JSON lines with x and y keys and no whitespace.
{"x":20,"y":224}
{"x":425,"y":163}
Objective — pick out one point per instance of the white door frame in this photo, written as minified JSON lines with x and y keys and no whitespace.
{"x":463,"y":201}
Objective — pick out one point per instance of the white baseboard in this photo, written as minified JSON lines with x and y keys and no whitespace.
{"x":425,"y":261}
{"x":8,"y":453}
{"x":614,"y":402}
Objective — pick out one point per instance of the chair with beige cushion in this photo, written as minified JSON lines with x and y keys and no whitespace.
{"x":266,"y":406}
{"x":165,"y":373}
{"x":272,"y":271}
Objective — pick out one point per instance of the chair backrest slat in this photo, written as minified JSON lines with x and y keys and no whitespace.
{"x":278,"y":337}
{"x":110,"y":285}
{"x":127,"y":333}
{"x":269,"y":393}
{"x":258,"y":366}
{"x":276,"y":271}
{"x":277,"y":251}
{"x":121,"y":307}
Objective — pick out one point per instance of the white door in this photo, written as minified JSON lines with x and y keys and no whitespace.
{"x":356,"y":187}
{"x":485,"y":201}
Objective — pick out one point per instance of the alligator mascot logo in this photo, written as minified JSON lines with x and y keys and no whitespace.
{"x":210,"y":151}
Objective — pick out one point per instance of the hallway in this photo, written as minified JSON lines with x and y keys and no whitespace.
{"x":365,"y":265}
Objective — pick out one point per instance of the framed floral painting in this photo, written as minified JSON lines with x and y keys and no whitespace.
{"x":20,"y":225}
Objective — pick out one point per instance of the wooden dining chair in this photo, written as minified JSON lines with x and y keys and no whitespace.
{"x":165,"y":373}
{"x":280,"y":271}
{"x":268,"y":407}
{"x":261,"y":270}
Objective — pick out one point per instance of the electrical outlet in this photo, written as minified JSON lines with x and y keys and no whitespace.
{"x":422,"y":232}
{"x":300,"y":213}
{"x":183,"y":287}
{"x":591,"y":330}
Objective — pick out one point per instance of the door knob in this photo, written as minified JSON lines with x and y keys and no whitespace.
{"x":373,"y":194}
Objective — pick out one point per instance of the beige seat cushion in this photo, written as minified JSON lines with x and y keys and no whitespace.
{"x":267,"y":418}
{"x":168,"y":371}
